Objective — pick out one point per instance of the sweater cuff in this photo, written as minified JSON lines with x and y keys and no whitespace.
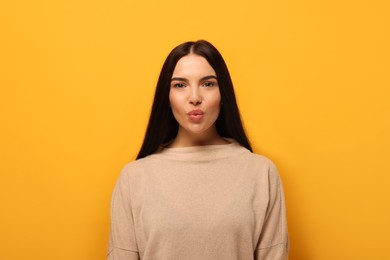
{"x":122,"y":254}
{"x":276,"y":252}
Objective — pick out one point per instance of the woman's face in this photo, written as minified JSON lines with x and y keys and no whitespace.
{"x":194,"y":95}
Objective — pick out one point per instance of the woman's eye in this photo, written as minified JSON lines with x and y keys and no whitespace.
{"x":179,"y":85}
{"x":208,"y":84}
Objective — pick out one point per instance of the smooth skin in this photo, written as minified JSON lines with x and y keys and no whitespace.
{"x":194,"y":86}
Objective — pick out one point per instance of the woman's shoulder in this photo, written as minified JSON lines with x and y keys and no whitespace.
{"x":134,"y":167}
{"x":264,"y":164}
{"x":260,"y":159}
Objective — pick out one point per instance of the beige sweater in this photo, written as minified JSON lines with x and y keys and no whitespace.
{"x":214,"y":202}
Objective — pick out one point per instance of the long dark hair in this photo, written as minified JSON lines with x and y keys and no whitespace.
{"x":163,"y":127}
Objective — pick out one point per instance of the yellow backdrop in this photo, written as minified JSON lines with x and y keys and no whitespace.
{"x":77,"y":81}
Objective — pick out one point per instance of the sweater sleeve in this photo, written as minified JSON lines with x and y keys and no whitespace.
{"x":273,"y":243}
{"x":122,"y":241}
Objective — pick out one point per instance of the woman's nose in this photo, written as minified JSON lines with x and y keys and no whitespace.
{"x":195,"y":96}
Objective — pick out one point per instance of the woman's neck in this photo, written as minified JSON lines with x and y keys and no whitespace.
{"x":186,"y":139}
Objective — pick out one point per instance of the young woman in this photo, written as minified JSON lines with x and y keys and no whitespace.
{"x":196,"y":190}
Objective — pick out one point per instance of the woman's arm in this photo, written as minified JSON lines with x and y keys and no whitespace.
{"x":274,"y":243}
{"x":122,"y":243}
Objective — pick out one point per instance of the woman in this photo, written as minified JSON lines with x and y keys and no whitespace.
{"x":196,"y":190}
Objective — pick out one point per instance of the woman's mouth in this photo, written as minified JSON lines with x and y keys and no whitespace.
{"x":195,"y":115}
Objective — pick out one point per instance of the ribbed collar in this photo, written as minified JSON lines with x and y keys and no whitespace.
{"x":202,"y":153}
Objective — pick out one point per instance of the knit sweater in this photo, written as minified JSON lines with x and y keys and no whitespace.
{"x":213,"y":202}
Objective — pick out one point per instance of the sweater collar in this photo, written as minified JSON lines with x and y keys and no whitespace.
{"x":203,"y":153}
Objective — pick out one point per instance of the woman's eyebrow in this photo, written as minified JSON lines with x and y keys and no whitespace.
{"x":209,"y":77}
{"x":179,"y":79}
{"x":202,"y":79}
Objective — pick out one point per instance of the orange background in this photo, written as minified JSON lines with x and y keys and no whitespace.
{"x":77,"y":80}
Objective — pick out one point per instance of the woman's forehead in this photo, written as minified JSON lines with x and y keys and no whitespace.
{"x":193,"y":65}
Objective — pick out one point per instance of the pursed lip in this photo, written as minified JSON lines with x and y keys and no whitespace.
{"x":195,"y":112}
